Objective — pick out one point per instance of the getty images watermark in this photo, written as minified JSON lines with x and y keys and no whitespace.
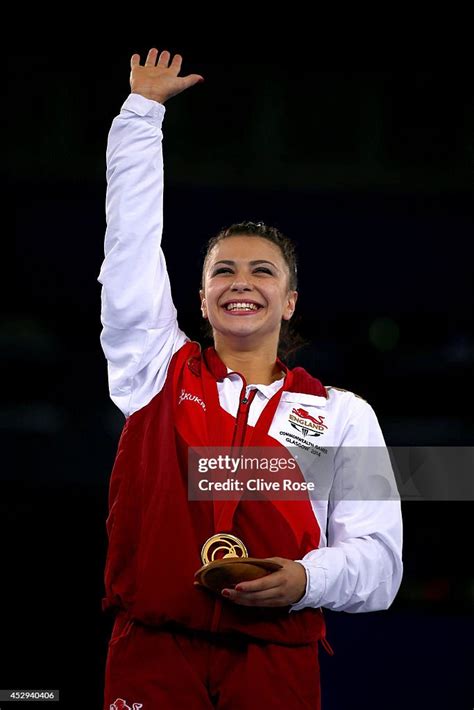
{"x":338,"y":473}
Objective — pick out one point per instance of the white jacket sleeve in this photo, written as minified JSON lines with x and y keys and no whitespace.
{"x":361,"y":568}
{"x":140,"y":330}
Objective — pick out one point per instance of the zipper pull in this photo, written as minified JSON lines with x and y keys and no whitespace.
{"x":324,"y":642}
{"x":249,"y":393}
{"x":327,"y":646}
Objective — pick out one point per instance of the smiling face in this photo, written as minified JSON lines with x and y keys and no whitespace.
{"x":245,"y":291}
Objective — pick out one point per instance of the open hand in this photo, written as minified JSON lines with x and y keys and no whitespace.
{"x":282,"y":588}
{"x":159,"y":80}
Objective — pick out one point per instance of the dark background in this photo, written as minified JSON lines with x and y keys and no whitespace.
{"x":371,"y":174}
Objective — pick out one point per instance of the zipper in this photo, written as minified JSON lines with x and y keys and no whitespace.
{"x":242,"y":417}
{"x":237,"y":440}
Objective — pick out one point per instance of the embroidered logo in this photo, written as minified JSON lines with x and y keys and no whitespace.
{"x":191,"y":398}
{"x":308,"y":425}
{"x":121,"y":704}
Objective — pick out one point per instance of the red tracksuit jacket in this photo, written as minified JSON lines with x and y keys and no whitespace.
{"x":156,"y":533}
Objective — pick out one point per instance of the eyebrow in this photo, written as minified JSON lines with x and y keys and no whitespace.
{"x":229,"y":262}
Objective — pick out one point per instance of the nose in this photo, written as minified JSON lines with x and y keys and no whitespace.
{"x":240,"y":286}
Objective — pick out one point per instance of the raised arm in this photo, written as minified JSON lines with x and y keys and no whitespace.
{"x":140,"y":331}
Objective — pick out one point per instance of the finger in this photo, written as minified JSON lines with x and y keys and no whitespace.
{"x":176,"y":63}
{"x":164,"y":58}
{"x":192,"y":79}
{"x":135,"y":60}
{"x":270,"y":581}
{"x":258,"y":597}
{"x":267,"y":597}
{"x":151,"y":57}
{"x":253,"y":597}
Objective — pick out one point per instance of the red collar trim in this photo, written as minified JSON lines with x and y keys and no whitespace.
{"x":304,"y":382}
{"x":214,"y":364}
{"x":300,"y":380}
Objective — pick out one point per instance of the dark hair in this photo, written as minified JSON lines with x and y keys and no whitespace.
{"x":289,"y":340}
{"x":259,"y":229}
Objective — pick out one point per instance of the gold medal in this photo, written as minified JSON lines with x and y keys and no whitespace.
{"x":226,"y":562}
{"x":214,"y":546}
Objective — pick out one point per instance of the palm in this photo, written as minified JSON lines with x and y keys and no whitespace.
{"x":158,"y":78}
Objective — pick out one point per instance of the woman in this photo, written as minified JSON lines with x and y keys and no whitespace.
{"x":176,"y":643}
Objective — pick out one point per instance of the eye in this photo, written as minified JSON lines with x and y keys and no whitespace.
{"x":222,"y":270}
{"x":265,"y":269}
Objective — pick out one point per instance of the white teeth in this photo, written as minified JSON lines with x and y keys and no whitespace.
{"x":241,"y":307}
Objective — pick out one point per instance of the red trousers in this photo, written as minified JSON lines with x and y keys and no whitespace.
{"x":154,"y":669}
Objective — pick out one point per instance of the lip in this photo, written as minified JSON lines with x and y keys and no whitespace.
{"x":241,"y":313}
{"x":241,"y":300}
